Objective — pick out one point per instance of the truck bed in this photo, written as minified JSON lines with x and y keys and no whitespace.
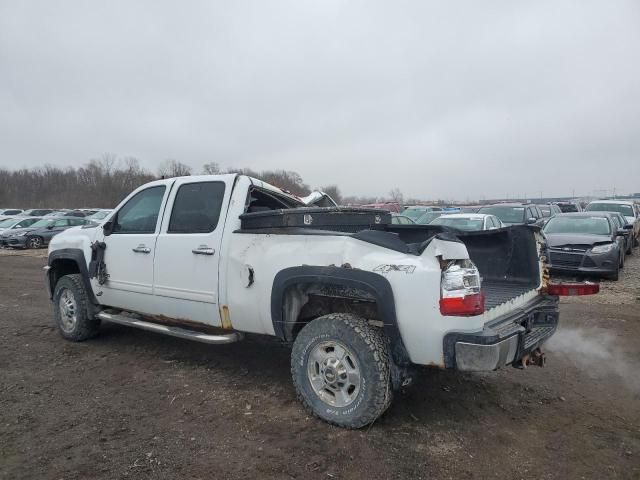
{"x":497,"y":292}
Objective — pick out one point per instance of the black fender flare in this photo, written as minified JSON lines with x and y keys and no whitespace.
{"x":77,"y":256}
{"x":372,"y":283}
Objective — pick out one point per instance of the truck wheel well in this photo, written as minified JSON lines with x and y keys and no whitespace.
{"x":60,"y":268}
{"x":306,"y":302}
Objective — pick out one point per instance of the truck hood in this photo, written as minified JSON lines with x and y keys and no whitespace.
{"x":559,"y":239}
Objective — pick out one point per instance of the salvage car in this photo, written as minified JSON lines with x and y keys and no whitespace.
{"x":515,"y":213}
{"x":10,"y":212}
{"x":16,"y":223}
{"x":414,"y":212}
{"x":397,"y":219}
{"x":361,"y":301}
{"x":39,"y":233}
{"x":627,"y":208}
{"x":586,"y":243}
{"x":469,"y":222}
{"x":36,"y":212}
{"x":549,"y":210}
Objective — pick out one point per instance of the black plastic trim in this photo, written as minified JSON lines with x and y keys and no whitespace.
{"x":77,"y":255}
{"x":372,"y":283}
{"x":539,"y":307}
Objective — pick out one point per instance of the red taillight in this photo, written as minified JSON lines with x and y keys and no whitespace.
{"x":466,"y":306}
{"x":573,"y":289}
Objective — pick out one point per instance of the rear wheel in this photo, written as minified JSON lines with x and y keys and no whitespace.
{"x":71,"y":309}
{"x":341,"y":370}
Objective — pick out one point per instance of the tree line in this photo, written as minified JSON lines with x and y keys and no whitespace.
{"x":103,"y":182}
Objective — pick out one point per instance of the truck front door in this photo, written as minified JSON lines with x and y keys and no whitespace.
{"x":130,"y":250}
{"x":188,"y":251}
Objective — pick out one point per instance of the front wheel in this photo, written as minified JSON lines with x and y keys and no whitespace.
{"x":34,"y":242}
{"x":71,"y":309}
{"x":341,"y":370}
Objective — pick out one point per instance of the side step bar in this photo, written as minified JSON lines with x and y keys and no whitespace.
{"x":172,"y":331}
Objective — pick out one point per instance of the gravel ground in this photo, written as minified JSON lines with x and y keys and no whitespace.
{"x":132,"y":404}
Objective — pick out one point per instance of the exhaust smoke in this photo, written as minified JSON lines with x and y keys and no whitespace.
{"x":595,"y":352}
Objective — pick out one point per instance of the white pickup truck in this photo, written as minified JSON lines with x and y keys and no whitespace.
{"x":362,"y":302}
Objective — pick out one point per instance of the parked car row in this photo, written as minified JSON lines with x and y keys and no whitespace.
{"x":593,"y":240}
{"x":36,"y":227}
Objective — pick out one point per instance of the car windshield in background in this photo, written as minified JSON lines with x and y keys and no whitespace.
{"x":625,"y":210}
{"x":579,"y":225}
{"x":43,"y":223}
{"x":428,"y":217}
{"x":413,"y":213}
{"x":9,"y":222}
{"x":99,"y":215}
{"x":506,"y":214}
{"x":466,"y":224}
{"x":567,"y":207}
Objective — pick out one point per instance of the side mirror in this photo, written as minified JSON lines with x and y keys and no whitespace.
{"x":107,"y":228}
{"x":49,"y":227}
{"x":532,"y":220}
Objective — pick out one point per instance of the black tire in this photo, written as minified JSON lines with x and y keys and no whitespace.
{"x":615,"y":275}
{"x":34,"y":242}
{"x":82,"y":326}
{"x":622,"y":254}
{"x":372,"y":360}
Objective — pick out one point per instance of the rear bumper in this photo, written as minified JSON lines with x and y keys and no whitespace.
{"x":505,"y":340}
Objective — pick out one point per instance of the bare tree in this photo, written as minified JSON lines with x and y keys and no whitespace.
{"x":396,"y":195}
{"x":211,"y":168}
{"x":172,"y":168}
{"x":334,"y":192}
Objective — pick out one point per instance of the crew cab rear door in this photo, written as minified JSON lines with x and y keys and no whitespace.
{"x":188,"y":250}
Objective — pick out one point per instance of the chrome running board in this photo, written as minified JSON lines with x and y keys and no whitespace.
{"x":170,"y":330}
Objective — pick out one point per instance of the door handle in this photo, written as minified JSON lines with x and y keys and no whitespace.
{"x":142,"y":249}
{"x":203,"y":250}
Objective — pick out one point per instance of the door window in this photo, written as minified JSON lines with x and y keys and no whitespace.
{"x":196,"y":208}
{"x":140,"y":213}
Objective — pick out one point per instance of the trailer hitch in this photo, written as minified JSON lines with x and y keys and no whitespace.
{"x":535,"y":357}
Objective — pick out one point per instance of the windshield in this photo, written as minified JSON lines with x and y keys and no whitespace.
{"x":505,"y":213}
{"x":579,"y":225}
{"x":42,"y":223}
{"x":9,"y":222}
{"x":99,"y":215}
{"x":625,"y":210}
{"x":428,"y":217}
{"x":467,"y":224}
{"x":414,"y":213}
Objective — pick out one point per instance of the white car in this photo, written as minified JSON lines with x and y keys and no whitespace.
{"x":208,"y":258}
{"x":469,"y":222}
{"x":629,"y":210}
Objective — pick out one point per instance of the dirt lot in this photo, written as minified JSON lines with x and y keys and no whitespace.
{"x":132,"y":404}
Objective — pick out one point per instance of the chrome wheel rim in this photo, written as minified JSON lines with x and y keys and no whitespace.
{"x":34,"y":242}
{"x":68,"y":310}
{"x":334,"y":373}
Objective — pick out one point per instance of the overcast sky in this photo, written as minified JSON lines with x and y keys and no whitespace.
{"x":441,"y":99}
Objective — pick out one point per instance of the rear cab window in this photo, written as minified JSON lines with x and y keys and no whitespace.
{"x":197,"y":207}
